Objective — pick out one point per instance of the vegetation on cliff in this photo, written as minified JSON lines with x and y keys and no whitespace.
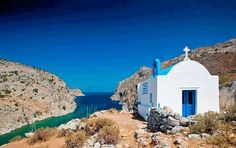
{"x":28,"y":94}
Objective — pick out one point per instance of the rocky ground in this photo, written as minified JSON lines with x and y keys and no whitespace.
{"x":28,"y":94}
{"x":219,"y":59}
{"x":134,"y":132}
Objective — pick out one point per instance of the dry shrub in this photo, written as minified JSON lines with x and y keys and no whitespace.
{"x":95,"y":124}
{"x":225,"y":135}
{"x":63,"y":133}
{"x":206,"y":123}
{"x":108,"y":135}
{"x":112,"y":110}
{"x":42,"y":134}
{"x":230,"y":114}
{"x":16,"y":138}
{"x":224,"y":79}
{"x":76,"y":139}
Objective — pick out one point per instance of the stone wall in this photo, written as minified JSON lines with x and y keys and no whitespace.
{"x":166,"y":121}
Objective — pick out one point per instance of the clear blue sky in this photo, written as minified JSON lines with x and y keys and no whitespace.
{"x":94,"y":44}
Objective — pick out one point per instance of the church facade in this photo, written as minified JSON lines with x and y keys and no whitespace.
{"x":186,"y":87}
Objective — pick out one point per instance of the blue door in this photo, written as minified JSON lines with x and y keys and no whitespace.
{"x":188,"y":102}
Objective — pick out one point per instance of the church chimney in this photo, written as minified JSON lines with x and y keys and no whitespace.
{"x":156,"y":67}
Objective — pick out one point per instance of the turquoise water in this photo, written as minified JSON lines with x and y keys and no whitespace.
{"x":85,"y":105}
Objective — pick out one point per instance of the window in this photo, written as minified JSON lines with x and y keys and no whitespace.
{"x":145,"y":88}
{"x":150,"y":98}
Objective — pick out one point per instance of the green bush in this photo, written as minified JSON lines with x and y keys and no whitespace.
{"x":76,"y":139}
{"x":2,"y":96}
{"x":7,"y":92}
{"x":35,"y":90}
{"x":51,"y":80}
{"x":108,"y":135}
{"x":4,"y":79}
{"x":206,"y":123}
{"x":42,"y":134}
{"x":95,"y":124}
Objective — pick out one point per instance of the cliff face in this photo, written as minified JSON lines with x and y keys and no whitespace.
{"x":126,"y":91}
{"x":219,"y":59}
{"x":28,"y":94}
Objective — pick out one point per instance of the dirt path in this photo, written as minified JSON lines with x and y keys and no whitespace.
{"x":127,"y":124}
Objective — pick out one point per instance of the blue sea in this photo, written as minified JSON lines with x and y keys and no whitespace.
{"x":86,"y":105}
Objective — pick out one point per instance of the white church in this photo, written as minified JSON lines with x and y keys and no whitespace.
{"x":186,"y":87}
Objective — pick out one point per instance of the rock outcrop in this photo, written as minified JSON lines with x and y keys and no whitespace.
{"x":29,"y":94}
{"x":219,"y":59}
{"x":126,"y":91}
{"x":72,"y":125}
{"x":76,"y":92}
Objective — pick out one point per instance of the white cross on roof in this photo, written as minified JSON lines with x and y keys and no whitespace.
{"x":186,"y":50}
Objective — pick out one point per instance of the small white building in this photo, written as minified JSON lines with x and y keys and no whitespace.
{"x":186,"y":87}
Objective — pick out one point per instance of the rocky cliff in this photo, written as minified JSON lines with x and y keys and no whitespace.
{"x":126,"y":91}
{"x":219,"y":59}
{"x":28,"y":94}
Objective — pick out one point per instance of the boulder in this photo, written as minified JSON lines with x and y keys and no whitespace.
{"x":177,"y":116}
{"x":176,"y":129}
{"x":182,"y":145}
{"x":194,"y":136}
{"x":184,"y":121}
{"x":155,"y":138}
{"x":178,"y":141}
{"x":205,"y":135}
{"x":164,"y":128}
{"x":118,"y":146}
{"x":97,"y":145}
{"x":139,"y":133}
{"x":172,"y":121}
{"x":73,"y":125}
{"x":90,"y":143}
{"x":107,"y":146}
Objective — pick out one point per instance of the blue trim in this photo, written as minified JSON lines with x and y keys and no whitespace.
{"x":188,"y":102}
{"x":166,"y":70}
{"x":157,"y":71}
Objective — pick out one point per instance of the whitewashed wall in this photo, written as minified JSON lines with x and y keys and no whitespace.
{"x":188,"y":75}
{"x":144,"y":99}
{"x":152,"y":87}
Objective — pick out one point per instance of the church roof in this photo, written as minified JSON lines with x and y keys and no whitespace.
{"x":163,"y":71}
{"x":166,"y":70}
